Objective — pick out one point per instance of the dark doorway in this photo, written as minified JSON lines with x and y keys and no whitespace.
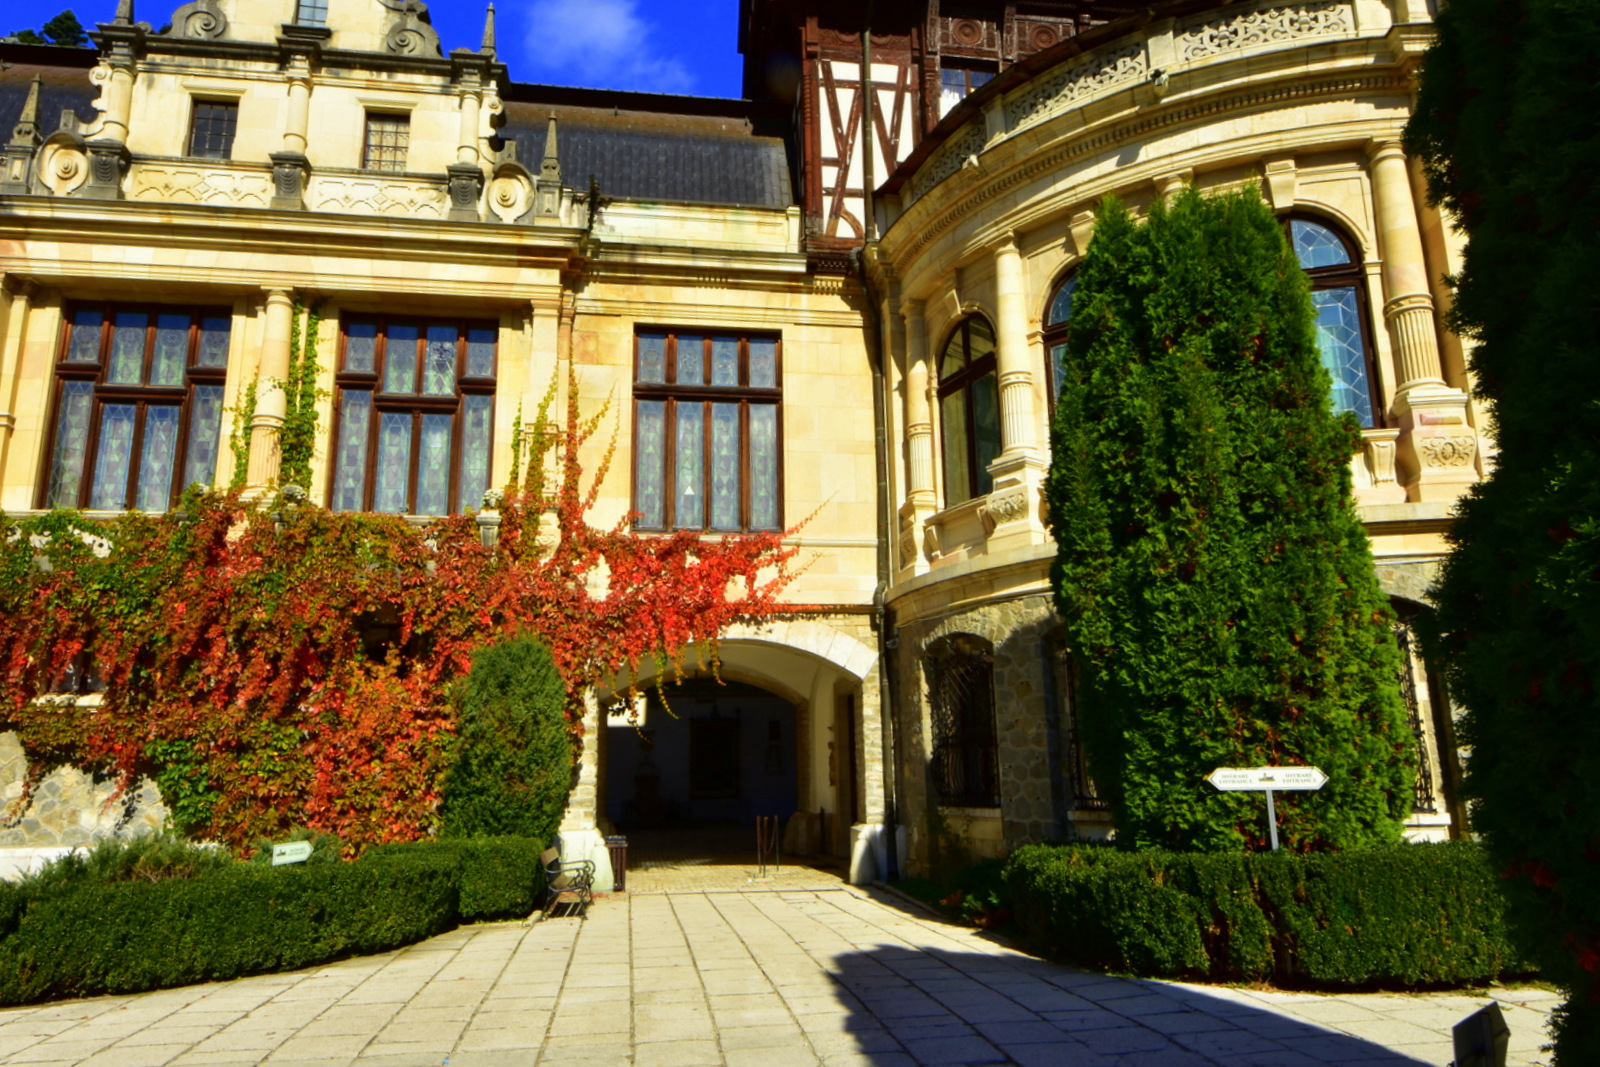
{"x":711,"y":754}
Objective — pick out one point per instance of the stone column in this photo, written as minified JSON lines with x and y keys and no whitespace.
{"x":16,"y":327}
{"x":1437,"y":446}
{"x":466,"y":173}
{"x":579,"y":836}
{"x":1011,"y":356}
{"x":1012,"y":506}
{"x":271,"y":404}
{"x":290,"y":167}
{"x":921,"y":498}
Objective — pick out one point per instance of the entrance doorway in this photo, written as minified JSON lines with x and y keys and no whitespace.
{"x":712,"y":756}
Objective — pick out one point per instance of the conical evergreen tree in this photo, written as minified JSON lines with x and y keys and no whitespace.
{"x":1508,"y":128}
{"x":1216,"y":585}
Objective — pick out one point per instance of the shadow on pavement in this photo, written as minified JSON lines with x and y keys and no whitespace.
{"x":908,"y":1007}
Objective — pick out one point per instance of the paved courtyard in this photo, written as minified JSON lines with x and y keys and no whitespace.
{"x":771,"y":978}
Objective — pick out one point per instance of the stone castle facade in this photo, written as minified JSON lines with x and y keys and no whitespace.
{"x":794,"y":317}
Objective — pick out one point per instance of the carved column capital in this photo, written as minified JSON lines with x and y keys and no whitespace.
{"x":466,"y":190}
{"x":108,"y":162}
{"x":290,"y":173}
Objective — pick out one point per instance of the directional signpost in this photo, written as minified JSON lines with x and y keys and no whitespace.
{"x":293,"y":852}
{"x":1268,"y":780}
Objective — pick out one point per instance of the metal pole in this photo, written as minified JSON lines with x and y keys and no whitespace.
{"x":869,"y":135}
{"x":1272,"y":821}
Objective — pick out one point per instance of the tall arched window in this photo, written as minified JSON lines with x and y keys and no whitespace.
{"x":966,"y":752}
{"x":1055,"y":331}
{"x":1333,"y":264}
{"x":969,"y":410}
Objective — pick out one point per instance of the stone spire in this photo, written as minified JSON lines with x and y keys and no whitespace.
{"x":550,"y":169}
{"x":27,"y":129}
{"x":487,"y":47}
{"x":124,"y":15}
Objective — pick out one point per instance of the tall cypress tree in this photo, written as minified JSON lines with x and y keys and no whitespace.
{"x":1216,"y":585}
{"x":1508,"y":128}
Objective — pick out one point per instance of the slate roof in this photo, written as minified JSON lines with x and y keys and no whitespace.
{"x":66,"y":84}
{"x":652,"y":155}
{"x":640,"y":146}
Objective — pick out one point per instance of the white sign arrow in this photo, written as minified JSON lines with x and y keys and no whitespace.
{"x":1235,"y":779}
{"x":293,"y":852}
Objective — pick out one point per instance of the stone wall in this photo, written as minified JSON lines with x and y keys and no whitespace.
{"x":71,"y":808}
{"x":1031,"y":725}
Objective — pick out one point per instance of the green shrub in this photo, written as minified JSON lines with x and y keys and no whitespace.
{"x":513,"y":759}
{"x":155,"y":911}
{"x":498,"y":877}
{"x":1215,"y":584}
{"x":1518,"y":621}
{"x":147,"y":858}
{"x":88,"y":938}
{"x":1401,"y":915}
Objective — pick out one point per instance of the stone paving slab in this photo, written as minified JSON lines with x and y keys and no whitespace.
{"x":797,"y":976}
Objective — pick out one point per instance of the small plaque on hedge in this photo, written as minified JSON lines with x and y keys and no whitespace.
{"x":293,"y":852}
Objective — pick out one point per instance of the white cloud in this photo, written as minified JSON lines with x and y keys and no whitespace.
{"x":603,"y":44}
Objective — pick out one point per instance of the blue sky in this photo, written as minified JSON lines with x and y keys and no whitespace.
{"x":676,"y":46}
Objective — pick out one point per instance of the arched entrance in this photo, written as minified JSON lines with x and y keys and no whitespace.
{"x":709,"y":757}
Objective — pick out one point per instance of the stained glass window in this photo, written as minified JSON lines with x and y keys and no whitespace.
{"x":706,"y":444}
{"x":415,"y":425}
{"x":1337,"y":281}
{"x":969,"y":410}
{"x":139,"y":412}
{"x":1055,"y":331}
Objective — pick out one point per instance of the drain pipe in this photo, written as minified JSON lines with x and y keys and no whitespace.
{"x":880,"y":595}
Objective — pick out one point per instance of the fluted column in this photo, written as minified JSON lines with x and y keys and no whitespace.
{"x":1011,"y":356}
{"x":271,"y":404}
{"x":1408,"y":302}
{"x":1011,"y":513}
{"x":1437,"y":447}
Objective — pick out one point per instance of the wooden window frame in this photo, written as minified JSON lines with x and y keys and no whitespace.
{"x":194,"y":127}
{"x":141,"y":396}
{"x":962,"y":381}
{"x":1340,"y":276}
{"x":416,"y":404}
{"x":367,"y":146}
{"x":671,"y":394}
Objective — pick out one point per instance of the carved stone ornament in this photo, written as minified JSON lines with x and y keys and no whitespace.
{"x":63,"y":164}
{"x":511,"y":193}
{"x":108,"y":162}
{"x":1449,"y":451}
{"x":202,"y":19}
{"x":1265,"y":27}
{"x":965,"y":145}
{"x":1070,"y":85}
{"x":999,"y":510}
{"x":289,"y":173}
{"x":466,"y":189}
{"x":492,"y":499}
{"x":410,"y":33}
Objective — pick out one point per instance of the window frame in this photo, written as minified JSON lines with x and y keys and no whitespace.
{"x":417,"y":404}
{"x":1351,"y":275}
{"x":141,"y":396}
{"x":1054,"y":334}
{"x":318,"y":8}
{"x":366,"y":140}
{"x":971,"y":372}
{"x":195,"y":106}
{"x":966,"y":68}
{"x":963,"y":730}
{"x":670,"y":393}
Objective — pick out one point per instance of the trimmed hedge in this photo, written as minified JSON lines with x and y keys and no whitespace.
{"x":498,"y":877}
{"x":1405,"y":915}
{"x":69,"y":933}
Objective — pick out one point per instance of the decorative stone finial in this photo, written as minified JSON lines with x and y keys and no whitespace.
{"x":124,"y":15}
{"x":550,"y":169}
{"x":26,"y":132}
{"x":487,"y":47}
